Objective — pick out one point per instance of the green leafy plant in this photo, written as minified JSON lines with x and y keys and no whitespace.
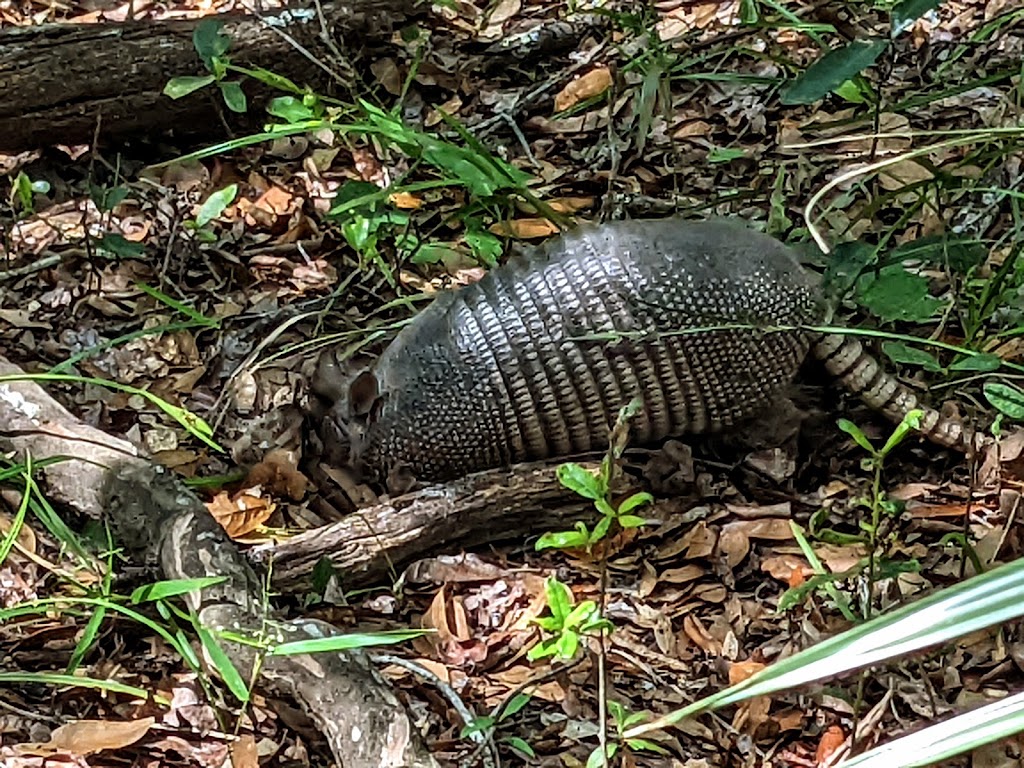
{"x":597,"y":486}
{"x":624,"y":720}
{"x":567,"y":623}
{"x":878,"y":508}
{"x":23,"y":192}
{"x":488,"y":725}
{"x":839,"y":70}
{"x":212,"y":207}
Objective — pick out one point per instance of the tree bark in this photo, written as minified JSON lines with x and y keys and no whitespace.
{"x":71,"y":83}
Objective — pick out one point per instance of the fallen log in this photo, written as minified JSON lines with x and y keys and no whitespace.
{"x":73,"y":83}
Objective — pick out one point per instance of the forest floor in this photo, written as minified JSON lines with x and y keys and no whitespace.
{"x":213,"y":283}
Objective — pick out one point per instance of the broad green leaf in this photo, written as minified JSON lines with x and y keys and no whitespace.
{"x":559,"y":598}
{"x":485,"y":246}
{"x":292,"y":110}
{"x":579,"y":615}
{"x":520,"y":744}
{"x":858,"y":437}
{"x":119,"y":246}
{"x":960,"y":254}
{"x":896,"y":294}
{"x":476,"y":726}
{"x":601,"y":529}
{"x":1005,"y":398}
{"x":108,"y":197}
{"x":855,"y":90}
{"x":749,"y":12}
{"x":580,"y":481}
{"x":725,"y":154}
{"x":431,"y":253}
{"x":234,"y":96}
{"x":635,"y":501}
{"x":845,"y":264}
{"x":210,"y":43}
{"x":984,"y":363}
{"x":567,"y":644}
{"x":215,"y":204}
{"x":905,"y":13}
{"x":833,"y":69}
{"x":562,"y":540}
{"x":631,"y":521}
{"x":899,"y":352}
{"x":182,"y":86}
{"x":517,"y":702}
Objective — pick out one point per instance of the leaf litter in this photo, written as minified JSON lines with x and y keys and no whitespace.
{"x":693,"y":597}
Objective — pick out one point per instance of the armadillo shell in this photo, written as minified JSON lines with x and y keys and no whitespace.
{"x":537,"y":358}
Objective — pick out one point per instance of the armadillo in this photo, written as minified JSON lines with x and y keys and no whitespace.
{"x":705,"y":322}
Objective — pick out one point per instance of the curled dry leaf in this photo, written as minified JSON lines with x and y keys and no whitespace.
{"x":242,"y":514}
{"x":594,"y":82}
{"x":831,"y":740}
{"x":524,"y":229}
{"x":85,"y":737}
{"x":279,"y":475}
{"x":790,"y":569}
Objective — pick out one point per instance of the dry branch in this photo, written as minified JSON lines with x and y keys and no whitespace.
{"x":477,"y":510}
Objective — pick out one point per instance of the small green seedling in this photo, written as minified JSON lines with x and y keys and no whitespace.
{"x":488,"y":724}
{"x":598,"y":487}
{"x":567,"y":623}
{"x":624,"y":720}
{"x":871,"y":536}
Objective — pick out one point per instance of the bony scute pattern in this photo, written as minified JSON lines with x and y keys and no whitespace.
{"x":705,"y":322}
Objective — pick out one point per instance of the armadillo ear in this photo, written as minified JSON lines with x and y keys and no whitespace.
{"x":363,"y":393}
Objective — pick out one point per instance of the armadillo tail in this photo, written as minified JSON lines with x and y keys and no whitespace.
{"x":846,"y":359}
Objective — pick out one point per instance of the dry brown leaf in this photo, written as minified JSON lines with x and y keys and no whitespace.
{"x":524,"y":229}
{"x":839,"y":559}
{"x":86,"y":737}
{"x":692,"y":128}
{"x":695,"y":631}
{"x":752,"y":714}
{"x":734,"y":540}
{"x":741,"y":670}
{"x":279,"y":475}
{"x":407,"y":201}
{"x":244,"y":753}
{"x":242,"y":514}
{"x":902,"y":174}
{"x":682,"y":575}
{"x":388,"y":74}
{"x":930,"y":511}
{"x":792,"y":570}
{"x":831,"y":740}
{"x":586,"y":86}
{"x":699,"y":541}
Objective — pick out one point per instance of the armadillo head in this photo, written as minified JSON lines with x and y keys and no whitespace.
{"x":351,"y":401}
